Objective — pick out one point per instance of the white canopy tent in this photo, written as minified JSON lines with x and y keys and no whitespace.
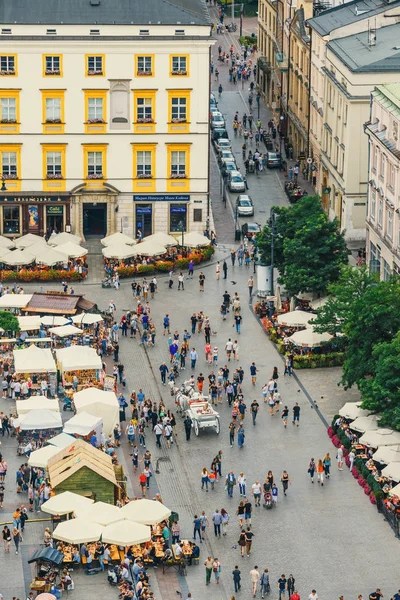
{"x":34,"y":360}
{"x":72,"y":250}
{"x":65,"y":503}
{"x":194,"y":239}
{"x":76,"y":358}
{"x":119,"y":251}
{"x":53,"y":320}
{"x":387,"y":454}
{"x":77,"y":531}
{"x":352,"y":410}
{"x":50,"y":256}
{"x":363,"y":424}
{"x":63,"y":238}
{"x":65,"y":330}
{"x":3,"y":251}
{"x":295,"y":318}
{"x":99,"y":403}
{"x":148,"y":512}
{"x":14,"y":300}
{"x":380,"y":437}
{"x":149,"y":249}
{"x":28,"y":240}
{"x":101,"y":513}
{"x":62,"y":440}
{"x":308,"y":338}
{"x":36,"y":403}
{"x":86,"y":319}
{"x":40,"y":458}
{"x":392,"y":471}
{"x":161,"y":238}
{"x":39,"y":419}
{"x":395,"y":491}
{"x":18,"y":258}
{"x":31,"y":323}
{"x":83,"y":424}
{"x":118,"y":238}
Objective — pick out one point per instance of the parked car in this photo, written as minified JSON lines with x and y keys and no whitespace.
{"x":274,"y":160}
{"x":213,"y":100}
{"x":236,"y":182}
{"x":244,"y":206}
{"x":227,"y":167}
{"x":249,"y":230}
{"x":214,"y":110}
{"x":218,"y":133}
{"x":226,"y":156}
{"x":222,"y":144}
{"x":217,"y":121}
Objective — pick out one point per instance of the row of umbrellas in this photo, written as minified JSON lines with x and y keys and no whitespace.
{"x":33,"y":248}
{"x":121,"y":246}
{"x":307,"y":337}
{"x":34,"y":322}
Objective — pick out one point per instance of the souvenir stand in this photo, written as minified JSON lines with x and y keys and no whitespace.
{"x":35,"y":428}
{"x":48,"y":562}
{"x":82,"y":361}
{"x":36,"y":363}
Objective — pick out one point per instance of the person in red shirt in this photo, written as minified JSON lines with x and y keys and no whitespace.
{"x":295,"y":596}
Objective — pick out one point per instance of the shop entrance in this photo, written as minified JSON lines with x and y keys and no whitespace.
{"x":144,"y":219}
{"x":94,"y":219}
{"x":54,"y":219}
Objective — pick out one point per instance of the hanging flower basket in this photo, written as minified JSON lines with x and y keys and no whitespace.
{"x":95,"y":121}
{"x":95,"y":72}
{"x":181,"y":72}
{"x":10,"y":176}
{"x":9,"y":72}
{"x":178,"y":120}
{"x":52,"y":71}
{"x":145,"y":176}
{"x":54,"y":176}
{"x":145,"y":120}
{"x":178,"y":175}
{"x":144,"y":73}
{"x":53,"y":120}
{"x":95,"y":176}
{"x":8,"y":121}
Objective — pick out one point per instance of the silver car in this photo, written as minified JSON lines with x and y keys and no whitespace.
{"x":236,"y":182}
{"x":244,"y":206}
{"x":223,"y":144}
{"x":217,"y":120}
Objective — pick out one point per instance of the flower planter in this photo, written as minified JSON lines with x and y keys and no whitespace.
{"x":41,"y":275}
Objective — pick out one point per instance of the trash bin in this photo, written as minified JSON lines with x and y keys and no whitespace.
{"x":238,"y":235}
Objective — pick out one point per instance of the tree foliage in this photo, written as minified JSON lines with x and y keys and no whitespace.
{"x":8,"y":321}
{"x":309,"y":250}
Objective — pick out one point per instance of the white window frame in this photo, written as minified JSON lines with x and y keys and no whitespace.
{"x":144,"y":108}
{"x":95,"y":163}
{"x":52,"y":64}
{"x":95,"y":65}
{"x":9,"y":109}
{"x":178,"y":162}
{"x":53,"y":109}
{"x":9,"y":164}
{"x":53,"y":163}
{"x":143,"y":163}
{"x":179,"y":108}
{"x":389,"y":228}
{"x":145,"y":64}
{"x":95,"y":109}
{"x":380,"y":212}
{"x":372,"y":212}
{"x":7,"y":64}
{"x":179,"y":66}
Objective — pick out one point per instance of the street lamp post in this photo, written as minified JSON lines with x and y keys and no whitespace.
{"x":273,"y":233}
{"x":3,"y":184}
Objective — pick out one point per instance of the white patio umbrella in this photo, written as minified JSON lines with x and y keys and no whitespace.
{"x":161,"y":238}
{"x":308,"y":338}
{"x":30,"y":323}
{"x":4,"y":251}
{"x":49,"y":256}
{"x":28,"y":240}
{"x":66,"y":502}
{"x":53,"y":320}
{"x":387,"y":454}
{"x":63,"y":238}
{"x":101,"y":513}
{"x":78,"y":531}
{"x":72,"y":250}
{"x":18,"y":258}
{"x":149,"y":249}
{"x":318,"y":302}
{"x":392,"y":471}
{"x":148,"y":512}
{"x":295,"y":318}
{"x":380,"y":437}
{"x":278,"y":301}
{"x":40,"y":458}
{"x":126,"y":533}
{"x":119,"y":251}
{"x":65,"y":330}
{"x":6,"y":243}
{"x":86,"y":319}
{"x":352,"y":410}
{"x":395,"y":491}
{"x":118,"y":238}
{"x":194,"y":239}
{"x":363,"y":424}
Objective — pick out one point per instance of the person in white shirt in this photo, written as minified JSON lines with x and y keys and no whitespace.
{"x":313,"y":595}
{"x":256,"y":489}
{"x":177,"y":549}
{"x":229,"y":348}
{"x":254,"y":577}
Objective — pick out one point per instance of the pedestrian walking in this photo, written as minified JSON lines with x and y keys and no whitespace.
{"x":250,"y":285}
{"x":158,"y":430}
{"x":327,"y":465}
{"x":242,"y":543}
{"x":17,"y":538}
{"x":320,"y":472}
{"x":164,"y":370}
{"x":339,"y":457}
{"x":216,"y":567}
{"x":230,"y":483}
{"x":188,"y":427}
{"x":204,"y":479}
{"x":249,"y":540}
{"x":166,"y":323}
{"x":236,"y":578}
{"x":193,"y":358}
{"x":282,"y":586}
{"x":225,"y":520}
{"x":242,"y":485}
{"x":352,"y":457}
{"x":225,"y":269}
{"x":6,"y":533}
{"x":256,"y":489}
{"x":202,"y":279}
{"x":264,"y":583}
{"x":237,"y":321}
{"x":217,"y":520}
{"x":285,"y":482}
{"x":296,"y":414}
{"x":197,"y":528}
{"x":284,"y":416}
{"x":240,"y":436}
{"x":311,"y":469}
{"x":181,"y":281}
{"x":290,"y":585}
{"x":170,"y":279}
{"x":254,"y":578}
{"x":209,"y":566}
{"x":275,"y":493}
{"x":253,"y":373}
{"x":204,"y":522}
{"x":254,"y":408}
{"x":190,"y":269}
{"x":218,"y":271}
{"x":232,"y":430}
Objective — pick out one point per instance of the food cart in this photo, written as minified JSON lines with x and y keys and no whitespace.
{"x":48,"y":562}
{"x":203,"y":416}
{"x":82,"y":361}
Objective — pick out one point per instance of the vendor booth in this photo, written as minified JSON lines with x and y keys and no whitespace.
{"x":352,"y":410}
{"x":61,"y":441}
{"x":38,"y":364}
{"x":31,"y":323}
{"x":48,"y":562}
{"x":82,"y":361}
{"x":83,"y":425}
{"x":37,"y":403}
{"x":38,"y":420}
{"x":99,"y":403}
{"x":15,"y":301}
{"x":101,"y":513}
{"x":40,"y":458}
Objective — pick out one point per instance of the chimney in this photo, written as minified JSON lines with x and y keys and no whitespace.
{"x":371,"y":37}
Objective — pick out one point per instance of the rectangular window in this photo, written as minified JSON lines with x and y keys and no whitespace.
{"x":95,"y":110}
{"x":9,"y":165}
{"x":179,"y":65}
{"x":178,"y":167}
{"x":144,"y":65}
{"x":392,"y":177}
{"x":380,"y":213}
{"x":8,"y":64}
{"x":144,"y":113}
{"x":373,"y":206}
{"x":375,"y":160}
{"x":178,"y":164}
{"x":143,"y":164}
{"x":389,"y":231}
{"x":53,"y":110}
{"x":8,"y":110}
{"x":53,"y":165}
{"x":95,"y":65}
{"x":95,"y":165}
{"x":386,"y":271}
{"x":11,"y":219}
{"x":54,"y":168}
{"x":178,"y":110}
{"x":382,"y":166}
{"x":197,"y":215}
{"x":52,"y":65}
{"x":177,"y":217}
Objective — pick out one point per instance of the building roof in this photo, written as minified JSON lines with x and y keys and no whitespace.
{"x":104,"y":12}
{"x":359,"y":57}
{"x":389,"y":96}
{"x":348,"y":13}
{"x":298,"y":25}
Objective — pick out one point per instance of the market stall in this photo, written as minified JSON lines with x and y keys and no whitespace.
{"x":296,"y":318}
{"x":83,"y":425}
{"x":387,"y":454}
{"x":99,"y":403}
{"x":118,"y":238}
{"x":65,"y":331}
{"x":31,"y":323}
{"x":37,"y":364}
{"x":37,"y":403}
{"x":82,"y":361}
{"x":48,"y":562}
{"x":380,"y":437}
{"x":392,"y":471}
{"x":352,"y":410}
{"x":126,"y":533}
{"x":61,"y":441}
{"x":35,"y":428}
{"x":78,"y":531}
{"x":363,"y":424}
{"x":14,"y":301}
{"x":40,"y":458}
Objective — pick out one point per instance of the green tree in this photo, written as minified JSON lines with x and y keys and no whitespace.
{"x":309,"y":250}
{"x":381,"y":393}
{"x":8,"y":321}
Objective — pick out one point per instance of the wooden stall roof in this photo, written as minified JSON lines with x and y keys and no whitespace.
{"x":53,"y":304}
{"x":73,"y":458}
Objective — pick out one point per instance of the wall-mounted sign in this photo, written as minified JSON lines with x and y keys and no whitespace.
{"x":32,"y":199}
{"x":54,"y":210}
{"x":161,"y":197}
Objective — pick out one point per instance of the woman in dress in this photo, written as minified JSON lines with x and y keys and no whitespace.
{"x":225,"y":520}
{"x":240,"y":436}
{"x":242,"y":542}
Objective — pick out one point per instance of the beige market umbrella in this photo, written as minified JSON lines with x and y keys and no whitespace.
{"x":148,"y":512}
{"x":63,"y":238}
{"x":72,"y":250}
{"x":352,"y":410}
{"x":40,"y":458}
{"x":126,"y":533}
{"x":295,"y":318}
{"x":380,"y":437}
{"x":77,"y":531}
{"x":308,"y":338}
{"x":18,"y":258}
{"x":278,"y":301}
{"x":395,"y":491}
{"x":29,"y":323}
{"x":49,"y":256}
{"x":194,"y":239}
{"x":86,"y":319}
{"x":4,"y":251}
{"x":28,"y":240}
{"x":118,"y":238}
{"x":119,"y":251}
{"x":46,"y":596}
{"x":161,"y":238}
{"x":65,"y":330}
{"x":53,"y":320}
{"x":101,"y":513}
{"x":387,"y":454}
{"x":149,"y":249}
{"x":66,"y":502}
{"x":363,"y":424}
{"x":6,"y":243}
{"x":392,"y":471}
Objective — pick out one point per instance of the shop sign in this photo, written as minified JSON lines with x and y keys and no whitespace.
{"x":31,"y":199}
{"x":54,"y":210}
{"x":161,"y":197}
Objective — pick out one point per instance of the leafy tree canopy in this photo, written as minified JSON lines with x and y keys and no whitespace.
{"x":8,"y":321}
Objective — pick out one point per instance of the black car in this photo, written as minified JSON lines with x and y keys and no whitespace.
{"x":219,"y":133}
{"x":249,"y":230}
